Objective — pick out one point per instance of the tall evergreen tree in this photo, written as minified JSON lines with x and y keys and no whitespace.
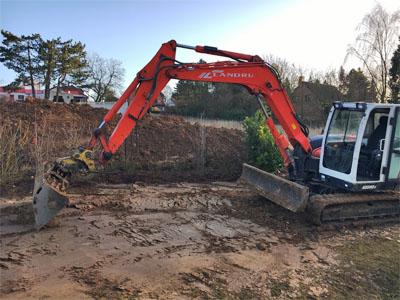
{"x":20,"y":54}
{"x":71,"y":63}
{"x":394,"y":73}
{"x":357,"y":86}
{"x":48,"y":54}
{"x":342,"y":77}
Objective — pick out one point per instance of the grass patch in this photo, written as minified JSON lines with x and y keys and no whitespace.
{"x":196,"y":293}
{"x":114,"y":295}
{"x":221,"y":293}
{"x":369,"y":269}
{"x":279,"y":286}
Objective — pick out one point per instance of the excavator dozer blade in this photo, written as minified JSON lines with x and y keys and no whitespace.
{"x":281,"y":191}
{"x":47,"y":201}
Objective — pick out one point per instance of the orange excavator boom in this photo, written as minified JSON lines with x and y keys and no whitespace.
{"x":257,"y":76}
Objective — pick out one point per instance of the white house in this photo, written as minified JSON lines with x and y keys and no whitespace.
{"x":68,"y":94}
{"x":19,"y":94}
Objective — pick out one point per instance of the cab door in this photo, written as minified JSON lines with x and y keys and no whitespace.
{"x":393,"y":169}
{"x":372,"y":150}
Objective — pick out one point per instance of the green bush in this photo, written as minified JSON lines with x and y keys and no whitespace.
{"x":262,"y":152}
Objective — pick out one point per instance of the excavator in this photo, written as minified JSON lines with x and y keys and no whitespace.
{"x":350,"y":173}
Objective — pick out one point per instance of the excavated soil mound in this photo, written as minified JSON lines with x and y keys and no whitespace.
{"x":45,"y":116}
{"x":164,"y":148}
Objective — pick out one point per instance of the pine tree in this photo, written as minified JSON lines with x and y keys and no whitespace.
{"x":20,"y":54}
{"x":394,"y":73}
{"x":71,"y":63}
{"x":342,"y":77}
{"x":48,"y":56}
{"x":357,"y":86}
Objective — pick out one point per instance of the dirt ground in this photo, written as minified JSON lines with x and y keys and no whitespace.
{"x":189,"y":241}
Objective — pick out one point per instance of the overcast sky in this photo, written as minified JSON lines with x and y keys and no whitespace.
{"x":310,"y":33}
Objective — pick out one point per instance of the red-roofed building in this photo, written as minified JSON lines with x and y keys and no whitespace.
{"x":159,"y":102}
{"x":68,"y":94}
{"x":19,"y":94}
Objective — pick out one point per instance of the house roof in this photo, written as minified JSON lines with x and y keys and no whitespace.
{"x":20,"y":90}
{"x":72,"y":90}
{"x":322,"y":91}
{"x":159,"y":101}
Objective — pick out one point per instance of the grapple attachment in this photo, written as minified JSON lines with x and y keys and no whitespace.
{"x":47,"y":202}
{"x":51,"y":182}
{"x":281,"y":191}
{"x":49,"y":193}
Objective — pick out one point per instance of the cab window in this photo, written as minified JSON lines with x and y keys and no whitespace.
{"x":340,"y":141}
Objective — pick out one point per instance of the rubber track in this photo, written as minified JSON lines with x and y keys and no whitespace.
{"x":337,"y":209}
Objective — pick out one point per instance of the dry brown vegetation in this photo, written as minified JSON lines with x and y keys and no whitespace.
{"x":15,"y":142}
{"x":165,"y":148}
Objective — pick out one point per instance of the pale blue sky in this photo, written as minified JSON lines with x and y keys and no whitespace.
{"x":311,"y":33}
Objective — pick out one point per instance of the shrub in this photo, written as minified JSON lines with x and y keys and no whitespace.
{"x":262,"y":152}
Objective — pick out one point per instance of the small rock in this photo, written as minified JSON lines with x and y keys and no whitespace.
{"x":120,"y":288}
{"x":262,"y":246}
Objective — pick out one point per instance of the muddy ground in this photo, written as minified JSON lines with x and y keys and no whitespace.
{"x":212,"y":240}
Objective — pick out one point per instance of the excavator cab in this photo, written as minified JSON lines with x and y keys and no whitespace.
{"x":361,"y":147}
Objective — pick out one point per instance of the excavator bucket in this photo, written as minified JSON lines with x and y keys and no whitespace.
{"x":47,"y":200}
{"x":281,"y":191}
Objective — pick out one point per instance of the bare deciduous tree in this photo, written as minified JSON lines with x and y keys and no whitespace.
{"x":105,"y":75}
{"x":331,"y":77}
{"x":289,"y":73}
{"x":167,"y":92}
{"x":374,"y":45}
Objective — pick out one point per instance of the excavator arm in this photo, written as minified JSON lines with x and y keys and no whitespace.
{"x":257,"y":76}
